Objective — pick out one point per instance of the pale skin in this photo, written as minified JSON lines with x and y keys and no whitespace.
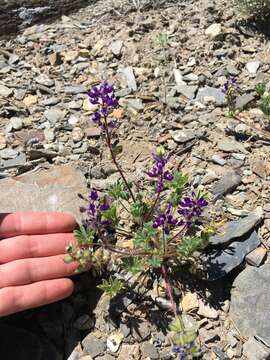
{"x":32,"y":270}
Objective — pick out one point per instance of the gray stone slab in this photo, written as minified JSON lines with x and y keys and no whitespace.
{"x":250,"y":305}
{"x":221,"y":262}
{"x":238,"y":228}
{"x":55,"y":189}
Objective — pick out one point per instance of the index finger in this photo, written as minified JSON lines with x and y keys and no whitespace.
{"x":30,"y":223}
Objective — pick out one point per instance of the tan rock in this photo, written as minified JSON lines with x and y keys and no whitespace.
{"x":129,"y":352}
{"x":257,"y":256}
{"x":70,"y":55}
{"x":3,"y":142}
{"x":207,"y":310}
{"x":189,"y":302}
{"x":30,"y":100}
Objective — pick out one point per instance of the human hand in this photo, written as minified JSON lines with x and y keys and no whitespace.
{"x":32,"y":270}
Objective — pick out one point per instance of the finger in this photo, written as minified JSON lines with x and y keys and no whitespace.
{"x":29,"y":223}
{"x":18,"y":298}
{"x":27,"y":271}
{"x":33,"y":246}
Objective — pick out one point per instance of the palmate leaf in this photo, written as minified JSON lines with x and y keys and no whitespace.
{"x":138,"y":209}
{"x":177,"y":185}
{"x":155,"y":262}
{"x":190,"y":244}
{"x":132,"y":264}
{"x":187,"y":337}
{"x":119,"y":191}
{"x":144,"y":236}
{"x":84,"y":236}
{"x":177,"y":325}
{"x":111,"y":287}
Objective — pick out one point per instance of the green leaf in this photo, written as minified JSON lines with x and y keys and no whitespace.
{"x":155,"y":262}
{"x":84,"y":236}
{"x":111,"y":286}
{"x":144,"y":236}
{"x":111,"y":214}
{"x":265,"y":105}
{"x":190,"y":244}
{"x":260,"y":88}
{"x":138,"y":209}
{"x":177,"y":185}
{"x":177,"y":325}
{"x":187,"y":337}
{"x":119,"y":191}
{"x":132,"y":265}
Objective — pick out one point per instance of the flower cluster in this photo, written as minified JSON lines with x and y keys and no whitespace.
{"x":105,"y":98}
{"x":181,"y":351}
{"x":158,"y":171}
{"x":191,"y":206}
{"x":94,"y":211}
{"x":231,"y":91}
{"x":230,"y":84}
{"x":166,"y":220}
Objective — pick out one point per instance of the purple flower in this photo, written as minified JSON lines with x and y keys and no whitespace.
{"x":105,"y":98}
{"x":93,"y":195}
{"x":158,"y":171}
{"x":94,"y":211}
{"x":165,"y":220}
{"x":231,"y":83}
{"x":191,"y":206}
{"x":181,"y":351}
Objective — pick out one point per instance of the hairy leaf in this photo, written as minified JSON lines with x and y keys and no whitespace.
{"x":111,"y":286}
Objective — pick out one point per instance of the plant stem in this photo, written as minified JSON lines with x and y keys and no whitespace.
{"x":169,"y":289}
{"x":109,"y":143}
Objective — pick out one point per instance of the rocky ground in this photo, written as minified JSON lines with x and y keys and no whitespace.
{"x":170,"y":94}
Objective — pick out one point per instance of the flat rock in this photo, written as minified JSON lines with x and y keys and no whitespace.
{"x":257,"y":256}
{"x":76,"y":89}
{"x":209,"y":93}
{"x":5,"y":91}
{"x":19,"y":160}
{"x":213,"y":30}
{"x":132,"y":104}
{"x":6,"y":154}
{"x":238,"y":228}
{"x":243,"y":100}
{"x":54,"y":115}
{"x":252,"y":67}
{"x":149,"y":351}
{"x":44,"y":79}
{"x":188,"y":91}
{"x":183,"y":136}
{"x":233,"y":146}
{"x":226,"y":184}
{"x":128,"y":77}
{"x":254,"y":350}
{"x":93,"y":346}
{"x":116,"y":47}
{"x":55,"y":189}
{"x":250,"y":306}
{"x":219,"y":263}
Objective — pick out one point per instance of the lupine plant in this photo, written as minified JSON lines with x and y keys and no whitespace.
{"x":161,"y":217}
{"x":264,"y":98}
{"x":231,"y":91}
